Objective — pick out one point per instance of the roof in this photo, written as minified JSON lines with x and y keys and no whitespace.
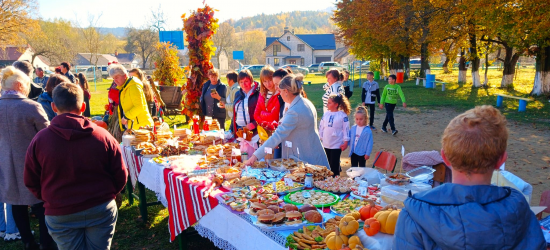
{"x":45,"y":60}
{"x":10,"y":54}
{"x":341,"y":53}
{"x":290,"y":57}
{"x":274,"y":39}
{"x":126,"y":57}
{"x":103,"y":59}
{"x":315,"y":41}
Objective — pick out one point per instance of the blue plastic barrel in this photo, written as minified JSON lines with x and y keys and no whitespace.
{"x":430,"y":78}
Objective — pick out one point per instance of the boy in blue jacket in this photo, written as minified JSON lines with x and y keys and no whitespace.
{"x":469,"y":213}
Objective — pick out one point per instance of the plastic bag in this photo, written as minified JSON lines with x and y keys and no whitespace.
{"x":504,"y":178}
{"x":249,"y":146}
{"x":372,"y":176}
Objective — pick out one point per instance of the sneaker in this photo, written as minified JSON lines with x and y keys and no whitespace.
{"x":373,"y":127}
{"x":2,"y":234}
{"x":394,"y":132}
{"x":12,"y":237}
{"x":384,"y":130}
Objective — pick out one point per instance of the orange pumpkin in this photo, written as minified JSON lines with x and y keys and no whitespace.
{"x":368,"y":211}
{"x":372,"y":226}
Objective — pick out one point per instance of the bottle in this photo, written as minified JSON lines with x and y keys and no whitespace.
{"x":244,"y":156}
{"x":309,"y":180}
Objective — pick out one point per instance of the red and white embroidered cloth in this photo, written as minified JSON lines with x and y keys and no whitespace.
{"x":186,"y":202}
{"x":133,"y":163}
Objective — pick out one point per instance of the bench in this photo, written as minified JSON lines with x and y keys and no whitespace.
{"x":423,"y":81}
{"x":442,"y":85}
{"x":522,"y":101}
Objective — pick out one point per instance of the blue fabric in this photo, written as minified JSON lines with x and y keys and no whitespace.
{"x":7,"y":224}
{"x":46,"y":101}
{"x":454,"y":216}
{"x":364,"y":145}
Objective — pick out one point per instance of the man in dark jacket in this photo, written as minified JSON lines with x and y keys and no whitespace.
{"x":213,"y":93}
{"x":35,"y":90}
{"x":470,"y":213}
{"x":66,"y":70}
{"x":77,"y":178}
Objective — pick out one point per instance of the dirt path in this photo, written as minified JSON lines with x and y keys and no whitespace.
{"x":421,"y":130}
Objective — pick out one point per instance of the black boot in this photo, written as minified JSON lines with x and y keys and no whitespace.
{"x":32,"y":246}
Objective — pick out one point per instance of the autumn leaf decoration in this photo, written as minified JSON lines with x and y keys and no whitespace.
{"x":199,"y":28}
{"x":167,"y":71}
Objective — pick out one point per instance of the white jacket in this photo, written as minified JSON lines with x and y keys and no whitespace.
{"x":334,"y":129}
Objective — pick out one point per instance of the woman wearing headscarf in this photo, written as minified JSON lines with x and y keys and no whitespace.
{"x":26,"y":118}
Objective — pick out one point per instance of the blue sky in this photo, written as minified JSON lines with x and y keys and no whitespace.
{"x":124,"y":13}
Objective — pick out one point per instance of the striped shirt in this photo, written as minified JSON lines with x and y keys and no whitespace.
{"x":335,"y":88}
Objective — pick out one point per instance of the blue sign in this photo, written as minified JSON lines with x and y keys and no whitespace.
{"x":238,"y":55}
{"x":174,"y":37}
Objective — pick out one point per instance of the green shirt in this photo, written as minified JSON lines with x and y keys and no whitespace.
{"x":391,"y":94}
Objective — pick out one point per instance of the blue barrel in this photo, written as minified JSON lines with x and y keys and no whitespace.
{"x":430,"y":78}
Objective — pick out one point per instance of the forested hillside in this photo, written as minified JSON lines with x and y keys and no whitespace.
{"x":303,"y":22}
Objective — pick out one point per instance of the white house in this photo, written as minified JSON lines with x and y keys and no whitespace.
{"x":10,"y":54}
{"x":128,"y":60}
{"x":297,"y":49}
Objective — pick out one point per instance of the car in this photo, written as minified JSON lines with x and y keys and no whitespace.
{"x":296,"y":69}
{"x":415,"y":63}
{"x":313,"y":67}
{"x":326,"y":66}
{"x":365,"y":66}
{"x":255,"y":69}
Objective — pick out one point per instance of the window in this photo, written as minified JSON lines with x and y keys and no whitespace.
{"x":267,"y":60}
{"x":276,"y":61}
{"x":276,"y":48}
{"x":301,"y":47}
{"x":302,"y":62}
{"x":288,"y":38}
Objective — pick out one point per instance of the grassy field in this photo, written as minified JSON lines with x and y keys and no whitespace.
{"x":133,"y":234}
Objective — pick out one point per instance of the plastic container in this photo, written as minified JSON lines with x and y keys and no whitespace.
{"x":377,"y":75}
{"x":400,"y":77}
{"x":396,"y":195}
{"x":127,"y":140}
{"x":421,"y":174}
{"x":430,"y":78}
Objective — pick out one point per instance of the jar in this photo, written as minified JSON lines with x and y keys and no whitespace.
{"x":244,"y":156}
{"x":308,"y":181}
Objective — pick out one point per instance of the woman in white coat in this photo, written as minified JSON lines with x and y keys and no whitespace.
{"x":298,"y":126}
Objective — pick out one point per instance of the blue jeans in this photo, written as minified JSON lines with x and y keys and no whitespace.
{"x":7,"y":224}
{"x":89,"y":229}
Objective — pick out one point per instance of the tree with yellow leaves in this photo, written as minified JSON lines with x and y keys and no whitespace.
{"x":16,"y":21}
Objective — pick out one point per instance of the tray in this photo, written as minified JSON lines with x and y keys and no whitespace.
{"x":287,"y":191}
{"x":337,"y":198}
{"x":282,"y":227}
{"x":281,"y":168}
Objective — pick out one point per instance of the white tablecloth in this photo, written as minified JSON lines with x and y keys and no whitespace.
{"x":152,"y":177}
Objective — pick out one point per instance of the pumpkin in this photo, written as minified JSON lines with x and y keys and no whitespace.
{"x":101,"y":124}
{"x":354,"y":241}
{"x":355,"y":214}
{"x":388,"y":218}
{"x":348,"y":225}
{"x":369,"y":210}
{"x":372,"y":226}
{"x":335,"y":240}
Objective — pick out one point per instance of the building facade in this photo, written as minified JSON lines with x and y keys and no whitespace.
{"x":297,"y":49}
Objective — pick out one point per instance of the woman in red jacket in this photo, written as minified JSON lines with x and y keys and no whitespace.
{"x":267,"y":109}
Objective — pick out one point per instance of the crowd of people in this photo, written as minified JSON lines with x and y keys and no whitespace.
{"x":70,"y":171}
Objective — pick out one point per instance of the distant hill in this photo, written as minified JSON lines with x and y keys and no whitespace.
{"x":119,"y":32}
{"x":302,"y":21}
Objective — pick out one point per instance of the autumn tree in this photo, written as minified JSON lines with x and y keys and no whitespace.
{"x":16,"y":21}
{"x":224,"y":39}
{"x":143,"y":42}
{"x":46,"y":38}
{"x":252,"y":42}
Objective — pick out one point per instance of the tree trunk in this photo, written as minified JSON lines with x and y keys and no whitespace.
{"x":405,"y":64}
{"x":510,"y":60}
{"x":486,"y":82}
{"x":474,"y":61}
{"x":393,"y":66}
{"x":446,"y":65}
{"x":542,"y":74}
{"x":462,"y":67}
{"x":424,"y":59}
{"x":382,"y":67}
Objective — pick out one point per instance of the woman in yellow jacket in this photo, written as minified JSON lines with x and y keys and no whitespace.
{"x":133,"y":111}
